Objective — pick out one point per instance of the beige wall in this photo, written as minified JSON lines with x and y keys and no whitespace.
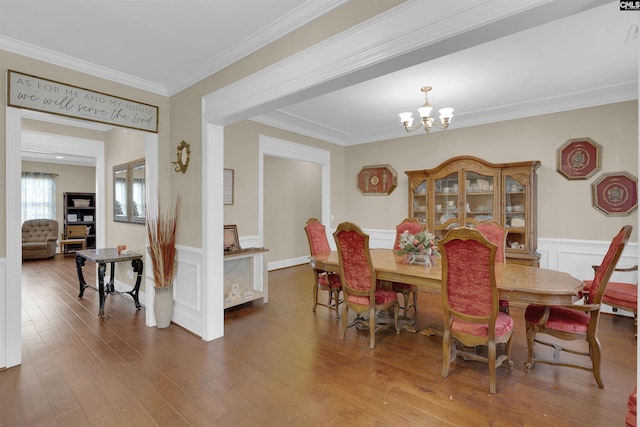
{"x":123,"y":147}
{"x":292,"y":195}
{"x":241,"y":154}
{"x":564,"y":206}
{"x":77,"y":179}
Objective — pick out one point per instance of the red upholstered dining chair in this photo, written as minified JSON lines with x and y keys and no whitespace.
{"x":470,"y":302}
{"x":576,"y":322}
{"x":620,"y":295}
{"x":498,"y":236}
{"x":412,"y":226}
{"x":326,"y":281}
{"x":359,"y":283}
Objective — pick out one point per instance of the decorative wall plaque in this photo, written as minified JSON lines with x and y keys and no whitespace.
{"x":615,"y":194}
{"x":40,"y":94}
{"x":377,"y":180}
{"x":579,"y":158}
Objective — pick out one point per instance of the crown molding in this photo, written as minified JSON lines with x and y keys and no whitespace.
{"x":401,"y":37}
{"x":65,"y":61}
{"x":293,"y":20}
{"x":298,"y":17}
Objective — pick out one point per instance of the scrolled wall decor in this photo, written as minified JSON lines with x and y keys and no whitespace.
{"x":184,"y":156}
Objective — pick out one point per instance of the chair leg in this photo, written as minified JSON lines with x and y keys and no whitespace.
{"x":396,"y":309}
{"x":345,"y":318}
{"x":335,"y":296}
{"x":492,"y":367}
{"x":446,"y":352}
{"x":594,"y":353}
{"x":372,"y":326}
{"x":315,"y":295}
{"x":415,"y":301}
{"x":531,"y":333}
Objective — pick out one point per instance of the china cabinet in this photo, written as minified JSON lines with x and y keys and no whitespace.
{"x":465,"y":190}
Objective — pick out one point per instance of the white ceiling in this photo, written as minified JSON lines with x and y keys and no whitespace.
{"x":587,"y":58}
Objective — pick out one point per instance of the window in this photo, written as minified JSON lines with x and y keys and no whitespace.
{"x":38,"y":195}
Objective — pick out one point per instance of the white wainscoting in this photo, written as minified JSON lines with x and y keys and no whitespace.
{"x":571,"y":256}
{"x":187,"y":290}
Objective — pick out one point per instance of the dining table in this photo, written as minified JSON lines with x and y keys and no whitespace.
{"x":515,"y":282}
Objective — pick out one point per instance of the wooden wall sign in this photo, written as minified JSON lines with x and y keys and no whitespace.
{"x":615,"y":194}
{"x":377,"y":180}
{"x":36,"y":93}
{"x":579,"y":158}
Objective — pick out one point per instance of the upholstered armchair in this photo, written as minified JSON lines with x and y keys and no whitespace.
{"x":39,"y":237}
{"x":497,"y":235}
{"x":470,"y":303}
{"x":577,"y":322}
{"x":360,"y":285}
{"x":323,"y":280}
{"x":620,"y":295}
{"x":412,"y":226}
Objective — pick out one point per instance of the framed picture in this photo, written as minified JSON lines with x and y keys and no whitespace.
{"x":72,"y":217}
{"x":231,"y":241}
{"x":615,"y":194}
{"x":88,"y":218}
{"x":579,"y":158}
{"x":228,"y":186}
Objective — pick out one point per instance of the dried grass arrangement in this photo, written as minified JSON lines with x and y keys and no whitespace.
{"x":161,"y":232}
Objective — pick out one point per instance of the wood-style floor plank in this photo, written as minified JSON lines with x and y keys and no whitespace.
{"x":279,"y":364}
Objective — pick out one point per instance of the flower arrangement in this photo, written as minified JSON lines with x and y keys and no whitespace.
{"x":423,"y":243}
{"x":161,"y":232}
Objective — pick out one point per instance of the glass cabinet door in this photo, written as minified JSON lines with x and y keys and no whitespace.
{"x":447,"y":200}
{"x":419,"y":203}
{"x":480,"y":198}
{"x":515,"y":215}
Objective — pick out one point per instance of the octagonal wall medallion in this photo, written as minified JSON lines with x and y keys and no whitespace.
{"x":377,"y":180}
{"x":579,"y":158}
{"x":615,"y":194}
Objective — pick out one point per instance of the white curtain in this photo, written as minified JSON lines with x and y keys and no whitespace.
{"x":38,"y":195}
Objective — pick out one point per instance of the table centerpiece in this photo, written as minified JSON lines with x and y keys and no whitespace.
{"x":419,"y":248}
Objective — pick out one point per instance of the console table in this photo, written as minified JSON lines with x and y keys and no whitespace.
{"x":102,"y":257}
{"x":245,"y":274}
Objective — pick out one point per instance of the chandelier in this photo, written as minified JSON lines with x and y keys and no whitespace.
{"x":426,"y":120}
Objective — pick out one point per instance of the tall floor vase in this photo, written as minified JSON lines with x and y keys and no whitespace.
{"x":163,"y":306}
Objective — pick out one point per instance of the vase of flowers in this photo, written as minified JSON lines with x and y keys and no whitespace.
{"x":419,"y":248}
{"x":161,"y":232}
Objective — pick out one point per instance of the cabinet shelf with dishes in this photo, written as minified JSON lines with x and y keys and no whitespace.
{"x":466,"y":190}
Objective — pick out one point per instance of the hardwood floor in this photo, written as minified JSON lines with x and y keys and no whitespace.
{"x":279,"y":364}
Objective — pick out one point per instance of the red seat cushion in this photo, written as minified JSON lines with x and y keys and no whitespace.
{"x":504,"y":325}
{"x":334,"y":281}
{"x":560,"y":318}
{"x":383,"y":296}
{"x":622,"y":294}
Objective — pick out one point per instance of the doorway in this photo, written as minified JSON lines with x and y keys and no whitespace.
{"x":11,"y":298}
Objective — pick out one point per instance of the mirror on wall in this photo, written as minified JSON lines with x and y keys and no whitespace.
{"x":129,"y":192}
{"x":120,"y":193}
{"x":137,"y":189}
